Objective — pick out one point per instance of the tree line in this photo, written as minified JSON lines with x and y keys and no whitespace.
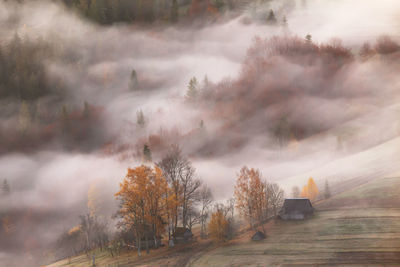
{"x":107,"y":12}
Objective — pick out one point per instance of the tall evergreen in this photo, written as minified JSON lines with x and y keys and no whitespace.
{"x":146,"y":153}
{"x":6,"y":187}
{"x":140,"y":119}
{"x":192,"y":91}
{"x":327,"y":190}
{"x":174,"y":11}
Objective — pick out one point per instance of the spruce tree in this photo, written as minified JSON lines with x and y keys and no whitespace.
{"x":192,"y":91}
{"x":327,"y":190}
{"x":140,"y":119}
{"x":6,"y":187}
{"x":174,"y":11}
{"x":271,"y":17}
{"x":86,"y":110}
{"x":133,"y":82}
{"x":146,"y":153}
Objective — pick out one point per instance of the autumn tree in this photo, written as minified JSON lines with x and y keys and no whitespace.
{"x":304,"y":192}
{"x":250,"y":195}
{"x":218,"y":225}
{"x":142,"y":196}
{"x":310,"y":190}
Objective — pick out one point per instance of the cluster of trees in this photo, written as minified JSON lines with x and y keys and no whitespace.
{"x":114,"y":11}
{"x":39,"y":102}
{"x":5,"y":188}
{"x":88,"y":234}
{"x":256,"y":199}
{"x":156,"y":200}
{"x":311,"y":191}
{"x":22,"y":72}
{"x":258,"y":87}
{"x":160,"y":198}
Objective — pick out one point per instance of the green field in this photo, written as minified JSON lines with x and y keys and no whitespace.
{"x":360,"y":226}
{"x":357,"y":227}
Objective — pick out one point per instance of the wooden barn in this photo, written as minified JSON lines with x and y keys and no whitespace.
{"x":296,"y":209}
{"x":150,"y":240}
{"x":182,"y":235}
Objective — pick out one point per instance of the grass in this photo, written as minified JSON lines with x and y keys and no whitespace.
{"x":320,"y":240}
{"x":360,"y":226}
{"x":357,"y":227}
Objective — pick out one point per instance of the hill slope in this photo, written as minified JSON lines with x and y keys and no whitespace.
{"x":361,"y":227}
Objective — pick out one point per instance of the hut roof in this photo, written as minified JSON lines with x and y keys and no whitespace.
{"x":258,"y":236}
{"x":182,"y":231}
{"x":297,"y":205}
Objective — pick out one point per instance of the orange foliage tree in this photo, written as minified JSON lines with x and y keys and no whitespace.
{"x":251,"y":196}
{"x":218,"y":225}
{"x":310,"y":190}
{"x":144,"y":199}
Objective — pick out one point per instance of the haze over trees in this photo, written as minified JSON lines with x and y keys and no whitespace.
{"x":310,"y":190}
{"x":92,"y":88}
{"x":256,"y":200}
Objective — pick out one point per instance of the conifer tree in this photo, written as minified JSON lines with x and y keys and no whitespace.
{"x":140,"y":119}
{"x":133,"y":82}
{"x":271,"y":17}
{"x":146,"y":153}
{"x":174,"y":11}
{"x":192,"y":92}
{"x":327,"y":190}
{"x":5,"y":187}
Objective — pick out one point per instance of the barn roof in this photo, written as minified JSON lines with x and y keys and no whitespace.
{"x":180,"y":231}
{"x":297,"y":205}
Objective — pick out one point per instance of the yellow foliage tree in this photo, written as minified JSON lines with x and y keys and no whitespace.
{"x":310,"y":190}
{"x":143,"y":202}
{"x":250,"y":195}
{"x":304,"y":192}
{"x":218,"y":226}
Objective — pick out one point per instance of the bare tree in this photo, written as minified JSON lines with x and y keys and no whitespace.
{"x":193,"y":217}
{"x":206,"y":199}
{"x":87,"y":224}
{"x":275,"y":198}
{"x":190,"y":185}
{"x":295,"y":192}
{"x":180,"y":175}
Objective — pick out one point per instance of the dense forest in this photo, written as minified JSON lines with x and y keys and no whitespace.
{"x":128,"y":122}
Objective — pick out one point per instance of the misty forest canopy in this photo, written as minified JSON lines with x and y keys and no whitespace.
{"x":147,"y":11}
{"x":22,"y":71}
{"x":319,"y":68}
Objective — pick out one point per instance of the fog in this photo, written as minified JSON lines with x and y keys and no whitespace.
{"x":95,"y":64}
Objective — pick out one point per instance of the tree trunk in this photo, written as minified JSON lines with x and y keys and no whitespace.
{"x":138,"y":246}
{"x":147,"y":244}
